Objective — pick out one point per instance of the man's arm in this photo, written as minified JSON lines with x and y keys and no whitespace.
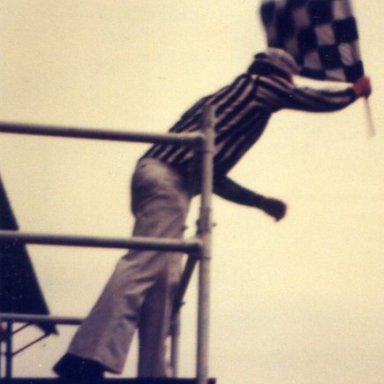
{"x":323,"y":100}
{"x":282,"y":94}
{"x":229,"y":190}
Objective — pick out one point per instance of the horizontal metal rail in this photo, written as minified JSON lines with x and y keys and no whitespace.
{"x":27,"y":318}
{"x":151,"y":243}
{"x":98,"y":134}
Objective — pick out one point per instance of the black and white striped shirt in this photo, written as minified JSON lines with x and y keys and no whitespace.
{"x":242,"y":110}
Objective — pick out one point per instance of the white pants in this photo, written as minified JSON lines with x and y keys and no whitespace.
{"x":140,"y":292}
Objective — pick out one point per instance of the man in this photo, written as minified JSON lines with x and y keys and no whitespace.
{"x":139,"y":294}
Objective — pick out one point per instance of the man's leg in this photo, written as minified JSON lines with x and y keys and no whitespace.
{"x":160,"y":203}
{"x":154,"y":324}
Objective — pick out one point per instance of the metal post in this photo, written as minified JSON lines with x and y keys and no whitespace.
{"x":8,"y":349}
{"x":204,"y":229}
{"x":177,"y":304}
{"x":175,"y":342}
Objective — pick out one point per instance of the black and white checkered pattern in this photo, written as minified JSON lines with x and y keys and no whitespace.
{"x":320,"y":34}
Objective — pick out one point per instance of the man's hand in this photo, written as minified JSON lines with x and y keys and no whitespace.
{"x":274,"y":208}
{"x":229,"y":190}
{"x":362,"y":87}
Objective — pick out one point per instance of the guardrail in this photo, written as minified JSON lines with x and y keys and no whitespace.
{"x":198,"y":248}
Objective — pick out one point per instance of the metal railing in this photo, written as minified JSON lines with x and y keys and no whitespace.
{"x":198,"y":248}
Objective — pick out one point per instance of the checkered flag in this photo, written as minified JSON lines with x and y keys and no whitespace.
{"x":320,"y":34}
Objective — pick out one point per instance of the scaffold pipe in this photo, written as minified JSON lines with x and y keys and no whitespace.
{"x":204,"y":230}
{"x":99,"y":134}
{"x":152,"y":243}
{"x":29,"y":318}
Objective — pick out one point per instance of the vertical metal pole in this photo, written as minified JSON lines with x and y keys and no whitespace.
{"x":204,"y":230}
{"x":8,"y":350}
{"x":175,"y":344}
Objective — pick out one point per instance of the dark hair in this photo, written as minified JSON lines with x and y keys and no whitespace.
{"x":266,"y":69}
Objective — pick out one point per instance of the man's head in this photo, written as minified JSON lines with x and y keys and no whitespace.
{"x":275,"y":61}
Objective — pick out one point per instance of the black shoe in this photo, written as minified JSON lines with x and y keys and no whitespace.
{"x":76,"y":370}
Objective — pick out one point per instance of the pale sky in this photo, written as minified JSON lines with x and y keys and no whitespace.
{"x":297,"y":302}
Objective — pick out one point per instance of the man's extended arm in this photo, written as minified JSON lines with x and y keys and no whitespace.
{"x":283,"y":94}
{"x":229,"y":190}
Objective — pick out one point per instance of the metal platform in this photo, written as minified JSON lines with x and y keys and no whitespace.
{"x":106,"y":381}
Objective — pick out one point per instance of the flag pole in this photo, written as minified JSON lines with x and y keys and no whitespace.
{"x":370,"y":124}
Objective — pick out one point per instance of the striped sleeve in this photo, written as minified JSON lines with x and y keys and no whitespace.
{"x":282,"y":94}
{"x":320,"y":100}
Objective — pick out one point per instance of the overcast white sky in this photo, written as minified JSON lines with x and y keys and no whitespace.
{"x":296,"y":302}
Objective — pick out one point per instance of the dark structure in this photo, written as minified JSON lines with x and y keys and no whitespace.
{"x":19,"y":288}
